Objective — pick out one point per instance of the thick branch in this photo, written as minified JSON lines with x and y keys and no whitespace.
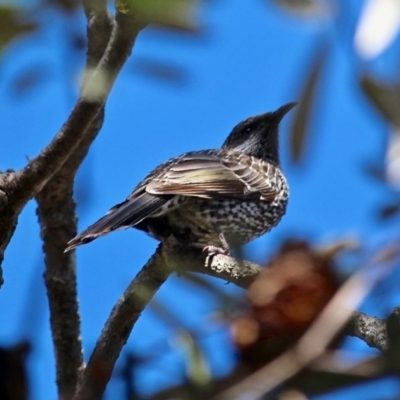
{"x":56,"y":216}
{"x":56,"y":210}
{"x":371,"y":330}
{"x":239,"y":272}
{"x":99,"y":28}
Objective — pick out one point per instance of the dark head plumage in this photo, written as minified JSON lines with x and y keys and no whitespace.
{"x":258,"y":136}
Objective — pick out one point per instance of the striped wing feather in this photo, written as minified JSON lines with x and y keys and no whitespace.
{"x":233,"y":175}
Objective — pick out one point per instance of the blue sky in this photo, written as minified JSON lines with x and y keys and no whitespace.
{"x":252,"y":57}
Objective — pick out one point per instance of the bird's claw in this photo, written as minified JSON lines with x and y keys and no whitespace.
{"x":214,"y":250}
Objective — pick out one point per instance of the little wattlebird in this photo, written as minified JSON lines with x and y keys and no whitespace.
{"x":210,"y":199}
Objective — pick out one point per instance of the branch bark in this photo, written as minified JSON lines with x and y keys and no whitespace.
{"x":56,"y":211}
{"x":56,"y":207}
{"x":371,"y":330}
{"x":239,"y":272}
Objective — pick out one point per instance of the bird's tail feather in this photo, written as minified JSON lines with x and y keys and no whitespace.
{"x":123,"y":215}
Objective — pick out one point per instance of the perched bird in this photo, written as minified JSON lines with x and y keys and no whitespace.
{"x":210,"y":199}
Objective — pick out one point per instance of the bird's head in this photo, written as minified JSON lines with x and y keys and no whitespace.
{"x":258,"y":136}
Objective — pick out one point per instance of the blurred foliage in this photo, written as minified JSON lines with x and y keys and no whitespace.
{"x":303,"y":111}
{"x":64,"y":5}
{"x":177,"y":14}
{"x":284,"y":301}
{"x":161,"y":71}
{"x":197,"y":369}
{"x":385,"y":97}
{"x":303,"y":7}
{"x":389,"y":210}
{"x":14,"y":22}
{"x":28,"y":79}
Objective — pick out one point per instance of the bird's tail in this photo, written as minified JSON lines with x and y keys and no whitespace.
{"x":122,"y":216}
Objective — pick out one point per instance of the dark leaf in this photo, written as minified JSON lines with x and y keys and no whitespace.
{"x":78,"y":42}
{"x":386,"y":98}
{"x":302,"y":111}
{"x":29,"y":79}
{"x":376,"y":172}
{"x":162,"y":71}
{"x":64,"y":5}
{"x":389,"y":211}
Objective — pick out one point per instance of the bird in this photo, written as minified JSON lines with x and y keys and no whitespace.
{"x":215,"y":200}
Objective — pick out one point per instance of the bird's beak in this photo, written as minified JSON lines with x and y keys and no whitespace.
{"x":282,"y":111}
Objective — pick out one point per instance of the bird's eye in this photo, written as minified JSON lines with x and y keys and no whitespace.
{"x":248,"y":129}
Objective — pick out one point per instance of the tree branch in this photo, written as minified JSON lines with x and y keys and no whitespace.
{"x":56,"y":211}
{"x":239,"y":272}
{"x":119,"y":326}
{"x":169,"y":258}
{"x":99,"y":28}
{"x":140,"y":291}
{"x":371,"y":330}
{"x":17,"y":188}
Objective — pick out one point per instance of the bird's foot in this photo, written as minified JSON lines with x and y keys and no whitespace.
{"x":214,"y":250}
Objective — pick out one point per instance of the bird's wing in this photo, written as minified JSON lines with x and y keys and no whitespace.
{"x":207,"y":175}
{"x":210,"y":176}
{"x":126,"y":214}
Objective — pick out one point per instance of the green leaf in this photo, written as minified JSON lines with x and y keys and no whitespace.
{"x":11,"y":25}
{"x":386,"y":98}
{"x":177,"y":14}
{"x":198,"y":371}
